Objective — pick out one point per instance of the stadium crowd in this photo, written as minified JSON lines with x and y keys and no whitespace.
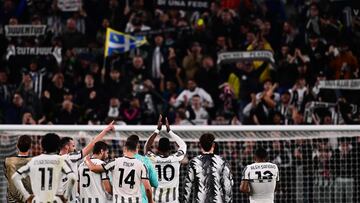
{"x":177,"y":73}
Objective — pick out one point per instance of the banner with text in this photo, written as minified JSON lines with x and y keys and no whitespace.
{"x":235,"y":56}
{"x":198,"y":5}
{"x":340,"y":84}
{"x":24,"y":30}
{"x":38,"y":51}
{"x":150,"y":33}
{"x":69,"y":5}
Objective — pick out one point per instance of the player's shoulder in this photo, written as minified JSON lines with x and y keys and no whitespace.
{"x":97,"y":161}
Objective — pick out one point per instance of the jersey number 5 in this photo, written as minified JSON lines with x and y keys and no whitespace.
{"x":130,"y":178}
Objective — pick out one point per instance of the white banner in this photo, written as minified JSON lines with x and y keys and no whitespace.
{"x":24,"y":30}
{"x":228,"y":57}
{"x":39,"y":51}
{"x":69,"y":5}
{"x":340,"y":84}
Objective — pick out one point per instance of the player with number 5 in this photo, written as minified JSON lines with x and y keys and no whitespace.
{"x":128,"y":174}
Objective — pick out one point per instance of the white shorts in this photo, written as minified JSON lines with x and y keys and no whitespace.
{"x":262,"y":201}
{"x":56,"y":200}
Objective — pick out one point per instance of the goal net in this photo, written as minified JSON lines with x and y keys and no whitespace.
{"x":317,"y":163}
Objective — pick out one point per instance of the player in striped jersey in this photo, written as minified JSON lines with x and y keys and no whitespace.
{"x":128,"y":174}
{"x":45,"y":173}
{"x":209,"y":178}
{"x":166,"y":164}
{"x":259,"y":179}
{"x":14,"y":163}
{"x":67,"y":150}
{"x":93,"y":187}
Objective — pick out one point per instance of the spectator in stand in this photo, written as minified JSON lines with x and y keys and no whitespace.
{"x":27,"y":119}
{"x":138,"y":72}
{"x":117,"y":81}
{"x":113,"y":111}
{"x":131,"y":112}
{"x":343,"y":64}
{"x":14,"y":111}
{"x":192,"y":62}
{"x":68,"y":113}
{"x":158,"y":57}
{"x":316,"y":51}
{"x":89,"y":97}
{"x":38,"y":76}
{"x":192,"y":89}
{"x":6,"y":89}
{"x":201,"y":115}
{"x":31,"y":100}
{"x":72,"y":37}
{"x":208,"y":73}
{"x":56,"y":90}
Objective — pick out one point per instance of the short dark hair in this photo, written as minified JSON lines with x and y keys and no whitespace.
{"x":100,"y":145}
{"x":261,"y":153}
{"x":164,"y":144}
{"x":24,"y":143}
{"x":64,"y":141}
{"x":50,"y":143}
{"x":206,"y":141}
{"x":132,"y":142}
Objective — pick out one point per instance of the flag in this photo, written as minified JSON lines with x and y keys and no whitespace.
{"x":118,"y":42}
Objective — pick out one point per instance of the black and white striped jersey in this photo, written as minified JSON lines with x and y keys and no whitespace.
{"x":73,"y":159}
{"x":91,"y":188}
{"x":168,"y":170}
{"x":127,"y":176}
{"x":208,"y":180}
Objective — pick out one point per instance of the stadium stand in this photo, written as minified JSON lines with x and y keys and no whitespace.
{"x":54,"y":72}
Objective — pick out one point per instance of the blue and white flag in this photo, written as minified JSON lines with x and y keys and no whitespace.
{"x":118,"y":42}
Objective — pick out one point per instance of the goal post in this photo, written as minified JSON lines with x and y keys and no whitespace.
{"x":317,"y":163}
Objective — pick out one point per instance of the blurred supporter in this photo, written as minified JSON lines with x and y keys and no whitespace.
{"x":192,"y":89}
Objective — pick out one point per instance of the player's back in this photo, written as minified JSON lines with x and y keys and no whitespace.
{"x":45,"y":173}
{"x":73,"y":159}
{"x":168,"y":170}
{"x":90,"y":184}
{"x":262,"y":178}
{"x":127,"y":175}
{"x":11,"y":165}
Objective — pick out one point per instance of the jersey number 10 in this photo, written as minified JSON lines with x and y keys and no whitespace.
{"x":168,"y":172}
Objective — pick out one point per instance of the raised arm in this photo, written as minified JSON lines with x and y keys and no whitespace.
{"x":99,"y":137}
{"x":96,"y":168}
{"x":21,"y":173}
{"x":176,"y":138}
{"x":151,"y":139}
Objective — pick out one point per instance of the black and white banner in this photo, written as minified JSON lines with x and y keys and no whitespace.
{"x":161,"y":31}
{"x":69,"y":5}
{"x":38,"y":51}
{"x":24,"y":30}
{"x":340,"y":84}
{"x":198,"y":5}
{"x":230,"y":57}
